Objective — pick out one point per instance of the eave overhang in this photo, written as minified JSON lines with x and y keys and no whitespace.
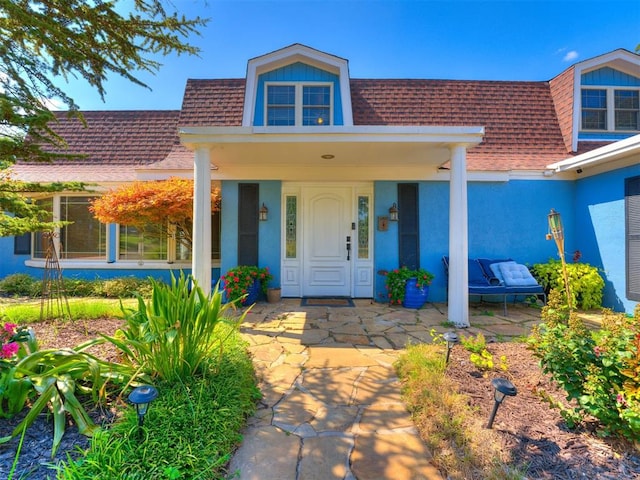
{"x":348,"y":153}
{"x":619,"y":154}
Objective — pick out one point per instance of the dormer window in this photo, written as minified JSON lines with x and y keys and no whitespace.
{"x":298,"y":104}
{"x":610,"y":109}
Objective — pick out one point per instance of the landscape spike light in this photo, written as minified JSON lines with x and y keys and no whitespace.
{"x":451,"y":339}
{"x":502,"y":388}
{"x":141,"y":397}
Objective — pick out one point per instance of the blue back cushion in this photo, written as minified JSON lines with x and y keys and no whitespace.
{"x":476,"y":274}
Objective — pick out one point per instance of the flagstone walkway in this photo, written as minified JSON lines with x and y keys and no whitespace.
{"x":331,"y":406}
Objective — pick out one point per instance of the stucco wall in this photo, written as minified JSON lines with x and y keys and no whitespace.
{"x":600,"y":230}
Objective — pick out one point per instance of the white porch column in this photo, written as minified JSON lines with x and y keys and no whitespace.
{"x":201,"y":256}
{"x":458,"y":239}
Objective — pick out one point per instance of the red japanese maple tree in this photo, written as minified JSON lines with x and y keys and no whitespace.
{"x":167,"y":203}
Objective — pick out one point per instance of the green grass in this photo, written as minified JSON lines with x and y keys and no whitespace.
{"x":190,"y":431}
{"x":460,"y":445}
{"x":81,"y":308}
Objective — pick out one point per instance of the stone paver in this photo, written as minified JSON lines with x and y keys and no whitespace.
{"x":331,"y":405}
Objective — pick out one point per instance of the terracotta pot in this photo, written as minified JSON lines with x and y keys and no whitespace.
{"x":273,"y":295}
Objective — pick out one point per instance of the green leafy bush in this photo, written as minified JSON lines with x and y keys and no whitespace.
{"x":24,"y":285}
{"x":479,"y":355}
{"x":173,"y":334}
{"x":598,"y":369}
{"x":20,"y":285}
{"x":190,"y":431}
{"x":52,"y":378}
{"x":585,"y":282}
{"x":125,"y":287}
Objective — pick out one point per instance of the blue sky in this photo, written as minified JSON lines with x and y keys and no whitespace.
{"x":476,"y":40}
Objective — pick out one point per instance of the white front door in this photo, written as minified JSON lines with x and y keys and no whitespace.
{"x":329,"y":241}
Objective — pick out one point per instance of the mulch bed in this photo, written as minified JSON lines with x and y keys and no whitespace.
{"x":532,"y":433}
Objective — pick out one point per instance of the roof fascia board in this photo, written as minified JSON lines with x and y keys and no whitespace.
{"x":622,"y":148}
{"x":210,"y":135}
{"x":292,"y":54}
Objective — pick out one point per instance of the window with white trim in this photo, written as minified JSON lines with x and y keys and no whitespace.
{"x":610,"y":109}
{"x":298,"y":104}
{"x":85,"y":238}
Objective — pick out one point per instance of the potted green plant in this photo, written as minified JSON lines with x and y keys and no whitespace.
{"x":246,"y":282}
{"x":408,"y":287}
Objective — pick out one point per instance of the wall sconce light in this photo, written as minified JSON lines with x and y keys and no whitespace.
{"x":393,"y":213}
{"x":451,"y":339}
{"x":263,"y":212}
{"x":502,"y":388}
{"x":141,"y":397}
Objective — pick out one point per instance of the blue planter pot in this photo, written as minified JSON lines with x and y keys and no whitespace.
{"x":253,"y":293}
{"x":415,"y":297}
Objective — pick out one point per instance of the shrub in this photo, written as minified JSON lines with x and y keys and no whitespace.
{"x":598,"y":369}
{"x":76,"y":287}
{"x":585,"y":282}
{"x":172,"y":336}
{"x":21,"y":285}
{"x":51,"y":378}
{"x":124,"y":287}
{"x":190,"y":431}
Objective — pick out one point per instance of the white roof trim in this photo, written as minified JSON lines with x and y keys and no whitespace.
{"x":292,"y":54}
{"x":335,"y":134}
{"x":620,"y":59}
{"x":615,"y":151}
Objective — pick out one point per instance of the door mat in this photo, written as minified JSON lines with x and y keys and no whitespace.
{"x":326,"y":302}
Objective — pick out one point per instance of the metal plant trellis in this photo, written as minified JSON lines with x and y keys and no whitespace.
{"x":54,"y":303}
{"x":557,"y":232}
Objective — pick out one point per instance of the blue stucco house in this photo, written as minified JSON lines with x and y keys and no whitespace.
{"x":472,"y":167}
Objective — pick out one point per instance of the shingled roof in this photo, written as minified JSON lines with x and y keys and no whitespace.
{"x":113,"y":143}
{"x":522,"y":130}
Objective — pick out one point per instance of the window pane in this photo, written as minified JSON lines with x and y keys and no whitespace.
{"x":281,"y":116}
{"x":594,"y":119}
{"x":316,"y":96}
{"x":148,"y":245}
{"x":40,"y":243}
{"x":627,"y":110}
{"x":281,"y":100}
{"x":627,"y":99}
{"x":316,"y":103}
{"x":627,"y":120}
{"x":363,"y":227}
{"x":315,"y":116}
{"x":281,"y":95}
{"x":86,"y":236}
{"x":291,"y":227}
{"x":594,"y":98}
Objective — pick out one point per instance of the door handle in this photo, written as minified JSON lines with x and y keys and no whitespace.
{"x":348,"y":248}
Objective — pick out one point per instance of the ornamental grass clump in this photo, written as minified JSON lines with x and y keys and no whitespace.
{"x":598,"y":369}
{"x":172,"y":335}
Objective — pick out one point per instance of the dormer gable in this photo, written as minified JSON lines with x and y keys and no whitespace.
{"x":598,"y":100}
{"x":297,"y":86}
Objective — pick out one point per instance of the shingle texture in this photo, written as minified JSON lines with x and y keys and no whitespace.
{"x":521,"y":127}
{"x":526,"y":124}
{"x":113,"y":144}
{"x":213,"y":103}
{"x":120,"y":137}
